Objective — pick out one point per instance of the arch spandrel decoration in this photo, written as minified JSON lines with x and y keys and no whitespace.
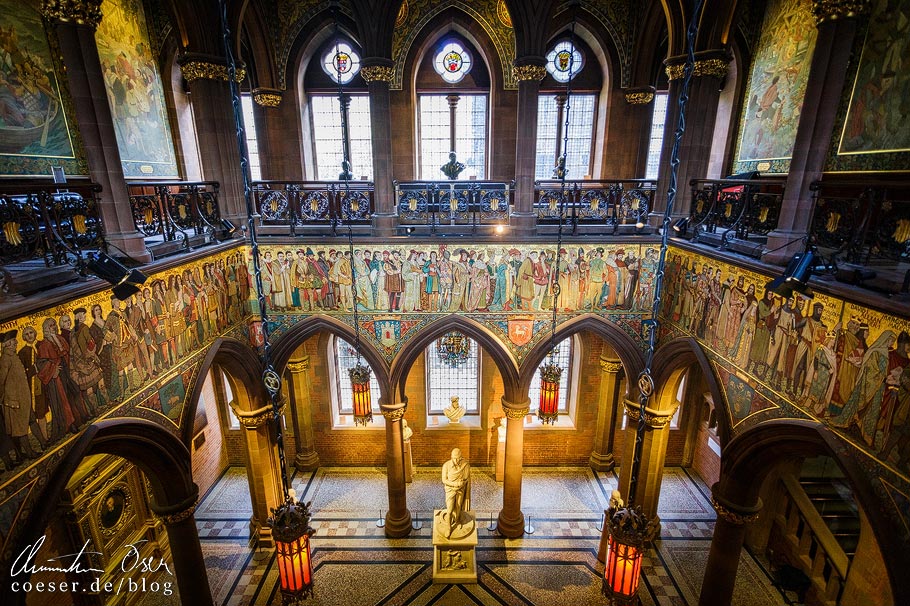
{"x":484,"y":12}
{"x":291,"y":19}
{"x":614,"y":16}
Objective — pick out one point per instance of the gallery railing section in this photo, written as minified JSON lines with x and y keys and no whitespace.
{"x":865,"y":223}
{"x":52,"y":224}
{"x":302,"y":204}
{"x":613,"y":203}
{"x":735,"y":214}
{"x":431,"y":206}
{"x":185,"y":213}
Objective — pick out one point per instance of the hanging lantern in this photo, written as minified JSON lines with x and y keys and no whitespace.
{"x":360,"y":390}
{"x":548,"y":411}
{"x":290,"y":524}
{"x":630,"y":531}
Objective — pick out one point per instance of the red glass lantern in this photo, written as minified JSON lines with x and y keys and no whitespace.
{"x":360,"y":390}
{"x":548,"y":411}
{"x":630,"y":531}
{"x":290,"y":523}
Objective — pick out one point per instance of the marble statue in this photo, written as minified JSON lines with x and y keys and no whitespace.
{"x":501,"y":430}
{"x":454,"y":411}
{"x":406,"y":432}
{"x":456,"y":478}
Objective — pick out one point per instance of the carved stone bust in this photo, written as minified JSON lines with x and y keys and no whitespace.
{"x":454,"y":411}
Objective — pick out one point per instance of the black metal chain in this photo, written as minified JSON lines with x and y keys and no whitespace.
{"x":645,"y":380}
{"x":270,"y":377}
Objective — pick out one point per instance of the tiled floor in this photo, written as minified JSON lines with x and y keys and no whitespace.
{"x":557,"y":565}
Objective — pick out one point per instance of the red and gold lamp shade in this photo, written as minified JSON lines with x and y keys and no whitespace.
{"x":550,"y":375}
{"x":360,"y":390}
{"x":290,"y":524}
{"x":630,"y":532}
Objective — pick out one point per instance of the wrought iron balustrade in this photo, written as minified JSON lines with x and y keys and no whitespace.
{"x":444,"y":203}
{"x":609,"y":202}
{"x":731,"y":213}
{"x":862,"y":222}
{"x":313,"y":203}
{"x":52,"y":223}
{"x":174,"y":211}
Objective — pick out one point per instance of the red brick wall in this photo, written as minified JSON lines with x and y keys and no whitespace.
{"x":705,"y":461}
{"x":211,"y":458}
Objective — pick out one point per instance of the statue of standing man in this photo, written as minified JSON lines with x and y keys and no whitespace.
{"x":456,"y":477}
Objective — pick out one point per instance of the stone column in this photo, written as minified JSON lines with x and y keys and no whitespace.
{"x":307,"y":458}
{"x":708,"y":74}
{"x":726,"y":546}
{"x":398,"y":518}
{"x":608,"y":411}
{"x":271,"y":132}
{"x":378,"y":74}
{"x":75,"y":24}
{"x":263,"y":469}
{"x":529,"y":71}
{"x":653,"y":452}
{"x":186,"y":552}
{"x":216,"y":132}
{"x":511,"y":519}
{"x":827,"y":73}
{"x":635,"y":136}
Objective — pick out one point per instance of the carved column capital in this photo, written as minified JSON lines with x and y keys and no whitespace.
{"x":530,"y":72}
{"x":255,"y":419}
{"x":203,"y":67}
{"x":80,"y":12}
{"x":708,"y":63}
{"x":734,"y":514}
{"x":610,"y":365}
{"x":832,"y":10}
{"x":267,"y":97}
{"x":639,"y":96}
{"x":516,"y":411}
{"x":393,"y":412}
{"x":298,"y":365}
{"x":655,"y":419}
{"x":377,"y":73}
{"x":175,"y":518}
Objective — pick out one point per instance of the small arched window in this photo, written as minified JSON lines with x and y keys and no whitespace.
{"x":564,"y":61}
{"x":341,"y":62}
{"x":452,"y":62}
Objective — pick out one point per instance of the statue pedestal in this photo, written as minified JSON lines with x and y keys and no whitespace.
{"x":408,"y":463}
{"x":454,"y":559}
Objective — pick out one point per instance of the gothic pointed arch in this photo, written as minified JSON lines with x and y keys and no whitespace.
{"x":628,"y":351}
{"x":490,"y":343}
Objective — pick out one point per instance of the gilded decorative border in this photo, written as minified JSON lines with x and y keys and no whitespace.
{"x":204,"y":70}
{"x":80,"y":12}
{"x":267,"y":97}
{"x":639,"y":98}
{"x":832,"y":10}
{"x":377,"y":73}
{"x":529,"y":72}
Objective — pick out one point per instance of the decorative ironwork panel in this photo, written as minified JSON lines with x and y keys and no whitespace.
{"x":494,"y":204}
{"x":273,"y":206}
{"x":549,"y":207}
{"x":634,"y":205}
{"x":146,"y":214}
{"x":21,"y":237}
{"x":355,"y":205}
{"x":314,"y":205}
{"x":207,"y":204}
{"x":891,"y":239}
{"x":413,"y":205}
{"x":180,"y":208}
{"x":77,"y":223}
{"x":597,"y":204}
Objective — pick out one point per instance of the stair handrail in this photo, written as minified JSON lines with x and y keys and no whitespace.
{"x":826,"y":539}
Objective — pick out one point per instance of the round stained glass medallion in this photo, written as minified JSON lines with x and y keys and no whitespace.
{"x":452,"y":62}
{"x":341,"y":62}
{"x":564,"y":61}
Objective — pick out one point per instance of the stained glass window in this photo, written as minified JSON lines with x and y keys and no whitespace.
{"x":452,"y":62}
{"x":550,"y":120}
{"x":445,"y":380}
{"x":564,"y":359}
{"x":564,"y":61}
{"x":341,"y":62}
{"x":470,"y":135}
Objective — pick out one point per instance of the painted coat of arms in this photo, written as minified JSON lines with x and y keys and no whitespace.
{"x":521,"y":329}
{"x":388,"y":330}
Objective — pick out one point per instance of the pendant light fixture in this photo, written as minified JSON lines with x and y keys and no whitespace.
{"x":630,"y":530}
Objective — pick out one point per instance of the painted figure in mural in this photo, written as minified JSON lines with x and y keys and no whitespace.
{"x":584,"y":272}
{"x":344,"y":275}
{"x":329,"y":293}
{"x":15,"y":396}
{"x":737,"y":307}
{"x":812,"y":334}
{"x":456,"y":478}
{"x":410,"y":274}
{"x":715,"y":299}
{"x":446,"y":281}
{"x":746,"y":330}
{"x":501,"y":273}
{"x":377,"y":277}
{"x":51,"y":358}
{"x":610,"y":294}
{"x":480,"y":285}
{"x":28,"y":355}
{"x":117,"y":333}
{"x":394,"y":284}
{"x":460,"y":280}
{"x":869,"y":389}
{"x":279,"y":294}
{"x":896,"y":448}
{"x":820,"y":384}
{"x":853,"y":346}
{"x":161,"y":321}
{"x":431,"y":286}
{"x":898,"y":362}
{"x":85,"y":366}
{"x":595,"y":282}
{"x":525,"y":282}
{"x":766,"y":318}
{"x":364,"y":294}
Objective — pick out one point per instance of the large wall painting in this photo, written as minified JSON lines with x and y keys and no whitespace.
{"x":36,"y":126}
{"x":506,"y":287}
{"x":874,"y":122}
{"x":776,"y":88}
{"x":842,"y":364}
{"x":134,"y":91}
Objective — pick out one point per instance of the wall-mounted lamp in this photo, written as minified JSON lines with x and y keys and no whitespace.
{"x":127,"y":282}
{"x":681,"y":226}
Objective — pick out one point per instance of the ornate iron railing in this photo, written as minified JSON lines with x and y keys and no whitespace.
{"x":49,"y":222}
{"x":175,"y":210}
{"x":313,"y":203}
{"x":862,"y":222}
{"x":734,"y":209}
{"x":609,"y":202}
{"x":440,"y":203}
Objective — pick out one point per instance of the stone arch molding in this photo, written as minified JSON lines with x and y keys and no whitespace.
{"x":404,"y":38}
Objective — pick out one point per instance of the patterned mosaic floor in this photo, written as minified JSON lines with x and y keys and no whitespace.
{"x":557,"y":565}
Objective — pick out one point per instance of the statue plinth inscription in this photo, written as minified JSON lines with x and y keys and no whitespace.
{"x":455,"y":528}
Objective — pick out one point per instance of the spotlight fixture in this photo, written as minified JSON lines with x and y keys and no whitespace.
{"x":126,"y":282}
{"x":229,"y":228}
{"x":796,"y":277}
{"x":681,"y":226}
